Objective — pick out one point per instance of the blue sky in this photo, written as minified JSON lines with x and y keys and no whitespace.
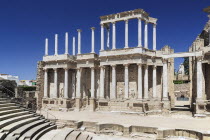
{"x":24,"y":25}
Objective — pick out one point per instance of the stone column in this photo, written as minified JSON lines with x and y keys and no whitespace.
{"x":92,"y":82}
{"x":126,"y":33}
{"x":46,"y":47}
{"x":114,"y":89}
{"x":56,"y":44}
{"x":146,"y":96}
{"x":79,"y":40}
{"x":78,"y":89}
{"x":55,"y":83}
{"x":108,"y":34}
{"x":101,"y":82}
{"x":154,"y":37}
{"x":154,"y":81}
{"x":74,"y":46}
{"x":66,"y":44}
{"x":66,"y":85}
{"x":140,"y":81}
{"x":73,"y":85}
{"x":126,"y":79}
{"x":146,"y":35}
{"x":139,"y":33}
{"x":93,"y":41}
{"x":45,"y":83}
{"x":199,"y":79}
{"x":102,"y":37}
{"x":165,"y":79}
{"x":113,"y":36}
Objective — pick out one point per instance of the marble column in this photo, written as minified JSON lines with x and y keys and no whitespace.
{"x":146,"y":35}
{"x":66,"y":44}
{"x":78,"y":89}
{"x":56,"y":44}
{"x":93,"y":41}
{"x":126,"y":80}
{"x":66,"y":83}
{"x":74,"y":47}
{"x":140,"y":81}
{"x":154,"y":37}
{"x":45,"y":83}
{"x":114,"y":89}
{"x":73,"y":85}
{"x":146,"y":96}
{"x":113,"y":36}
{"x":154,"y":81}
{"x":126,"y":33}
{"x":165,"y":79}
{"x":79,"y":40}
{"x":139,"y":33}
{"x":102,"y":37}
{"x":199,"y":79}
{"x":92,"y":82}
{"x":46,"y":47}
{"x":55,"y":83}
{"x":108,"y":38}
{"x":101,"y":82}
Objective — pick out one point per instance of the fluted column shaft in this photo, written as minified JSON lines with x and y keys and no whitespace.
{"x":56,"y":44}
{"x":154,"y":81}
{"x":66,"y":85}
{"x":139,"y":33}
{"x":45,"y":83}
{"x":126,"y":33}
{"x":73,"y":85}
{"x":199,"y":79}
{"x":113,"y":36}
{"x":154,"y":36}
{"x":93,"y":41}
{"x":114,"y":91}
{"x":73,"y":46}
{"x":78,"y":89}
{"x":92,"y":82}
{"x":139,"y":81}
{"x":79,"y":41}
{"x":102,"y":82}
{"x":102,"y":37}
{"x":46,"y":46}
{"x":126,"y":79}
{"x":165,"y":79}
{"x":146,"y":96}
{"x":108,"y":38}
{"x":146,"y":35}
{"x":55,"y":84}
{"x":66,"y":44}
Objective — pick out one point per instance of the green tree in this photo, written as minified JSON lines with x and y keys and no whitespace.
{"x":186,"y":65}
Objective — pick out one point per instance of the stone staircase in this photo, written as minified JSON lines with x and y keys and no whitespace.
{"x":19,"y":123}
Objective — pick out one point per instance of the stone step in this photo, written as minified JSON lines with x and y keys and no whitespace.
{"x":32,"y":132}
{"x":12,"y":120}
{"x":11,"y":111}
{"x":21,"y":130}
{"x":83,"y":137}
{"x":62,"y":135}
{"x":73,"y":136}
{"x":8,"y":116}
{"x":89,"y":138}
{"x":50,"y":135}
{"x":2,"y":136}
{"x":3,"y":102}
{"x":41,"y":133}
{"x":7,"y":104}
{"x":15,"y":125}
{"x":4,"y":99}
{"x":9,"y":108}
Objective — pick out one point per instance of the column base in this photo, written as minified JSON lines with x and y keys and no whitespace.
{"x":166,"y":106}
{"x":78,"y":104}
{"x":200,"y":106}
{"x":92,"y":105}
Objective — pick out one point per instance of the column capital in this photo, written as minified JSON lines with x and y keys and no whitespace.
{"x":55,"y":69}
{"x":79,"y":30}
{"x":126,"y":65}
{"x":165,"y":60}
{"x":102,"y":66}
{"x":66,"y":68}
{"x":126,"y":20}
{"x":199,"y":58}
{"x":139,"y":18}
{"x":139,"y":64}
{"x":154,"y":67}
{"x":92,"y":28}
{"x":113,"y":22}
{"x":146,"y":22}
{"x":92,"y":68}
{"x":113,"y":66}
{"x":154,"y":25}
{"x":145,"y":66}
{"x":45,"y":69}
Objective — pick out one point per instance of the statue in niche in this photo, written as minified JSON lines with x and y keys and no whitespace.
{"x":120,"y":93}
{"x":132,"y":94}
{"x":61,"y":93}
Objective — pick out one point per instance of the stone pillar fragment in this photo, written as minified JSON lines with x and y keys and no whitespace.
{"x":66,"y":87}
{"x":154,"y":81}
{"x":78,"y":89}
{"x":165,"y":79}
{"x":199,"y":79}
{"x":79,"y":40}
{"x":93,"y":41}
{"x":46,"y":47}
{"x":45,"y":83}
{"x":66,"y":44}
{"x":101,"y":82}
{"x":113,"y":36}
{"x":140,"y":81}
{"x":146,"y":96}
{"x":126,"y":79}
{"x":114,"y":90}
{"x":73,"y":85}
{"x":92,"y":82}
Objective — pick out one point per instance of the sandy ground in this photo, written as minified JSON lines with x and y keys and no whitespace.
{"x":175,"y":121}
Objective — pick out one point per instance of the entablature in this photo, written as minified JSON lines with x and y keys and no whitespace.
{"x":62,"y":57}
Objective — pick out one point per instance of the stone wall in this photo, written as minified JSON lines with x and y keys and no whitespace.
{"x":40,"y":83}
